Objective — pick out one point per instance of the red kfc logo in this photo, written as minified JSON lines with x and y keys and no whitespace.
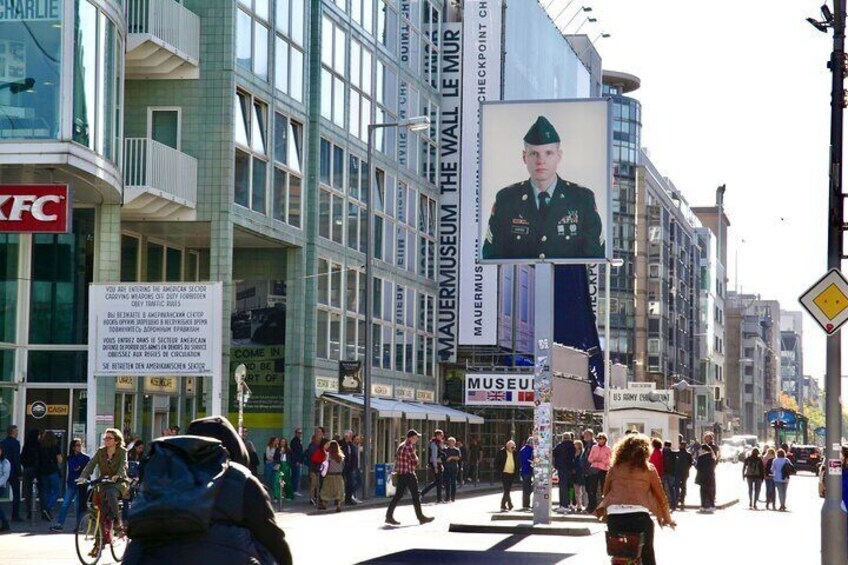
{"x":34,"y":208}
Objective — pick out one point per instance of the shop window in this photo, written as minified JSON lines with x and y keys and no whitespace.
{"x":8,"y":287}
{"x":57,"y":366}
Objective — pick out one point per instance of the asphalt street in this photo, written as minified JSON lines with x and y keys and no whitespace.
{"x":729,"y":536}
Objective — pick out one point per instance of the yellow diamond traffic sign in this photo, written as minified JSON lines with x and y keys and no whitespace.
{"x":827,"y":301}
{"x":831,"y":301}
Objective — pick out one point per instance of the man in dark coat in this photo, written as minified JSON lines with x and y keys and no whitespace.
{"x":681,"y":473}
{"x":544,"y":216}
{"x":296,"y":445}
{"x":351,"y":462}
{"x":563,"y":457}
{"x":12,"y":452}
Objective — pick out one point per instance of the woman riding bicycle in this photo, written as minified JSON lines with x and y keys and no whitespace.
{"x":111,"y":461}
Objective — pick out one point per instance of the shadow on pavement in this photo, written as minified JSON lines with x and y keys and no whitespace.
{"x":464,"y":557}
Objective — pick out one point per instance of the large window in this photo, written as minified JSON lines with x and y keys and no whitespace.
{"x":333,"y":48}
{"x":251,"y":156}
{"x":97,"y":81}
{"x":288,"y":52}
{"x":8,"y":286}
{"x":288,"y":173}
{"x":30,"y":62}
{"x":331,"y":201}
{"x":252,"y":31}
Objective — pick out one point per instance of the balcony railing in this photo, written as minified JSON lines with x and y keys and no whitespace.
{"x":159,"y":181}
{"x":163,"y":41}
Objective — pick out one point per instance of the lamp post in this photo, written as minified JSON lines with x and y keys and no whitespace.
{"x":583,"y":9}
{"x":242,"y":393}
{"x":415,"y":124}
{"x":585,"y":20}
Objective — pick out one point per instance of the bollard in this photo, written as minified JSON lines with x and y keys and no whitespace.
{"x":32,"y":496}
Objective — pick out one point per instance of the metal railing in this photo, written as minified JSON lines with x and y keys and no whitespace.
{"x":169,"y":21}
{"x":148,"y":163}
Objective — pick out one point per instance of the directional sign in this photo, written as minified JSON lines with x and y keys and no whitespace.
{"x":827,"y":301}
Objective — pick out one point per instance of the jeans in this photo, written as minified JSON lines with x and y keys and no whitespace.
{"x":436,"y":476}
{"x":295,"y":474}
{"x":635,"y":523}
{"x":680,"y":485}
{"x":705,"y":495}
{"x":406,"y":481}
{"x":770,"y":498}
{"x":754,"y":486}
{"x":450,"y":478}
{"x":50,"y":490}
{"x":592,"y":491}
{"x":668,"y":486}
{"x":563,"y":487}
{"x":73,"y":492}
{"x":526,"y":489}
{"x":349,"y":485}
{"x":268,"y":475}
{"x":781,"y":492}
{"x":506,"y":481}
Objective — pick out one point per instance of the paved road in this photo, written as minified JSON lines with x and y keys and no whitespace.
{"x":731,"y":536}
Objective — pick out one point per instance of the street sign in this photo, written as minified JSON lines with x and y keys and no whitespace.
{"x":827,"y":301}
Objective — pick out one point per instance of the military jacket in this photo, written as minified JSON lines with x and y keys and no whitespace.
{"x":571,"y":228}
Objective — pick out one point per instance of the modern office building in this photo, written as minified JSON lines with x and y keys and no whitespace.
{"x":792,"y":355}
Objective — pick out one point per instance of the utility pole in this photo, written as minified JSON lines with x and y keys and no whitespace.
{"x":833,"y":542}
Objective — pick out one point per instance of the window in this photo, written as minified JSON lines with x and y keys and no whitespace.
{"x":252,"y":32}
{"x":251,"y":153}
{"x":361,"y":70}
{"x":331,"y":201}
{"x":288,"y":44}
{"x":288,"y":175}
{"x":362,"y":13}
{"x":333,"y":48}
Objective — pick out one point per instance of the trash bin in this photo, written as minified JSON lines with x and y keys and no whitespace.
{"x":383,"y":480}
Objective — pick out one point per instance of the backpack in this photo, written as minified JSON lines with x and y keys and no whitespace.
{"x":177,"y":493}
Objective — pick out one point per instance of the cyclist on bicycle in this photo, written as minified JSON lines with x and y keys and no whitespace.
{"x":111,"y":461}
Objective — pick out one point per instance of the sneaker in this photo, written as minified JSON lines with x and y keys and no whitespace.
{"x":313,"y":501}
{"x":298,"y":494}
{"x":561,"y":510}
{"x":392,"y":522}
{"x":426,"y":520}
{"x":47,"y":515}
{"x":56,"y":528}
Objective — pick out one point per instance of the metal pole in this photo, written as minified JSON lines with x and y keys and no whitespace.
{"x":543,"y":414}
{"x":607,"y":367}
{"x":834,"y":546}
{"x":241,"y":409}
{"x":369,"y":317}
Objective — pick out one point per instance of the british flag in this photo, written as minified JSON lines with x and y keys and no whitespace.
{"x":499,"y":396}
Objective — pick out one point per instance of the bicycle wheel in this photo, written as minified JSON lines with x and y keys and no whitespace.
{"x":89,"y":539}
{"x":118,"y":544}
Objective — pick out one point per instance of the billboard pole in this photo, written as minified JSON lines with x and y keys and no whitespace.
{"x":543,"y":421}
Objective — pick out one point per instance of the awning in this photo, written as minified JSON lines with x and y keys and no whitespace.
{"x":391,"y":408}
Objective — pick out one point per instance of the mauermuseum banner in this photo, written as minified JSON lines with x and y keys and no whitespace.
{"x":545,"y":180}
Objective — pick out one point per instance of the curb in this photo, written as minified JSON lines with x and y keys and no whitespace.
{"x":554,"y":518}
{"x":722,"y":506}
{"x":518,"y":529}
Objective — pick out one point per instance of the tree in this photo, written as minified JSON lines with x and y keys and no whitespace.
{"x":814,"y":415}
{"x":787,"y":402}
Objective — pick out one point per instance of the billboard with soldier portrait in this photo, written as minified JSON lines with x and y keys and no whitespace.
{"x":545,"y":181}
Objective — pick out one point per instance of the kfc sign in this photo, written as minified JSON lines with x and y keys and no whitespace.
{"x":34,"y":208}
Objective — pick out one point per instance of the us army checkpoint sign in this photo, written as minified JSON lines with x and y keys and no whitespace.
{"x":827,"y":301}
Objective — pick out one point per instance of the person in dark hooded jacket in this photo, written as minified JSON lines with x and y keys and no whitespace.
{"x":247,"y":530}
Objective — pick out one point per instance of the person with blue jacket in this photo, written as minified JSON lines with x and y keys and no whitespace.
{"x":525,"y":469}
{"x":782,"y":469}
{"x":77,"y":460}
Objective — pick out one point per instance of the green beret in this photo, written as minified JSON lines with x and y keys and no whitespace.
{"x":541,"y":133}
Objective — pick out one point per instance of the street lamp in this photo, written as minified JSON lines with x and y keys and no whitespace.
{"x":243,"y":393}
{"x":590,"y":20}
{"x":582,"y":10}
{"x":414,"y":124}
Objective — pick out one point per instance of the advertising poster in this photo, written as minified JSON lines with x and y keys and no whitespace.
{"x":545,"y":176}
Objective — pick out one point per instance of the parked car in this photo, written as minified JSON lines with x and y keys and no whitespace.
{"x":806,"y":457}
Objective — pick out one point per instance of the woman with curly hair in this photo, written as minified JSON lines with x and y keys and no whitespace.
{"x":632,"y":492}
{"x":332,"y":468}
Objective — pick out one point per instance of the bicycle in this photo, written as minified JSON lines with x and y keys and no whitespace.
{"x":96,"y":529}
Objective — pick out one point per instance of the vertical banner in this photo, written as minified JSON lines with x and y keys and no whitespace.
{"x":450,"y":141}
{"x":478,"y":284}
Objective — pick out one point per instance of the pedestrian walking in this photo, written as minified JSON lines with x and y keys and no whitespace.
{"x":406,"y":464}
{"x":435,"y":465}
{"x":580,"y":499}
{"x":333,"y":487}
{"x":48,"y":473}
{"x":268,"y":462}
{"x":563,"y":459}
{"x":453,"y":459}
{"x":77,"y":460}
{"x":632,"y":492}
{"x":475,"y":457}
{"x":681,"y":474}
{"x":782,"y":468}
{"x":599,"y":464}
{"x":297,"y":460}
{"x":351,"y":453}
{"x":282,"y":471}
{"x":709,"y":439}
{"x":12,"y":452}
{"x":506,"y":465}
{"x":314,"y":458}
{"x":463,"y":463}
{"x":5,"y":474}
{"x":705,"y":478}
{"x":669,"y":472}
{"x":771,"y":494}
{"x":754,"y":473}
{"x":30,"y":457}
{"x":656,"y":458}
{"x":525,"y":464}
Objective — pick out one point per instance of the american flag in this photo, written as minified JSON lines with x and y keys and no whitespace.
{"x":476,"y":395}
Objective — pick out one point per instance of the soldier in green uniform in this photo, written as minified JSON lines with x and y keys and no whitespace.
{"x":544,"y":217}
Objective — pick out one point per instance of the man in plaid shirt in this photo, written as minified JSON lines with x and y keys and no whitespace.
{"x":406,"y":463}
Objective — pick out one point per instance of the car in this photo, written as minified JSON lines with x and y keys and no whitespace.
{"x":732,"y":449}
{"x":806,"y":457}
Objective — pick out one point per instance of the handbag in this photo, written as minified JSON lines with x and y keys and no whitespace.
{"x":394,"y":478}
{"x":592,"y":471}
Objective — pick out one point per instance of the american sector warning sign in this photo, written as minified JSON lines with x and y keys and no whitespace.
{"x":827,"y":301}
{"x":155,"y":329}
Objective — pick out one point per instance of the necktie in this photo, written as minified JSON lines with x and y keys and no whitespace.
{"x":543,"y":204}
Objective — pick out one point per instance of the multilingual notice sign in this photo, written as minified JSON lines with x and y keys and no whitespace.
{"x":155,"y":329}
